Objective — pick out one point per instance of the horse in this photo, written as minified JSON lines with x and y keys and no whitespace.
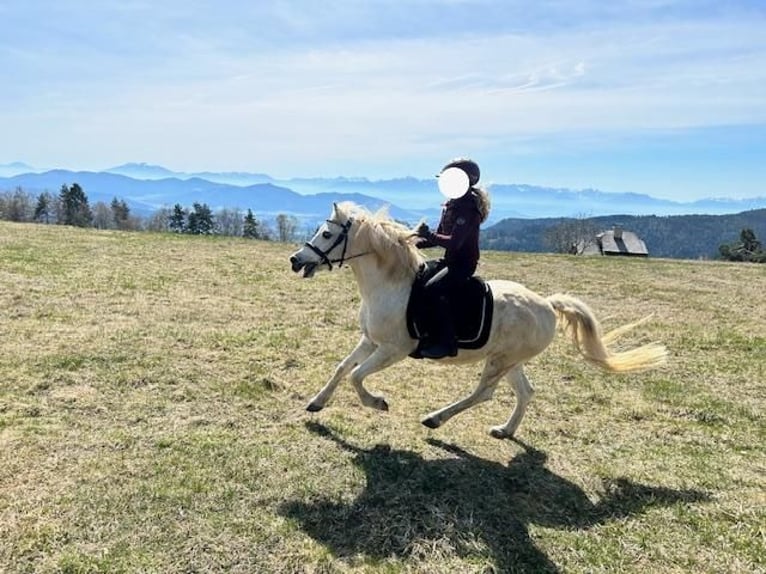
{"x":384,"y":260}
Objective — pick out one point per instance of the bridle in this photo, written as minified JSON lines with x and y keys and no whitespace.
{"x":342,"y":238}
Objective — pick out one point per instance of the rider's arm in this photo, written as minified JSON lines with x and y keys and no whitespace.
{"x":467,"y":222}
{"x":429,"y":238}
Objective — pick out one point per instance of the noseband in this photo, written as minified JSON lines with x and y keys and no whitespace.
{"x":342,"y":238}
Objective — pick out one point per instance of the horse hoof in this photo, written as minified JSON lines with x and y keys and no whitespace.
{"x":499,"y":433}
{"x":314,"y":408}
{"x":431,"y":422}
{"x":382,"y":405}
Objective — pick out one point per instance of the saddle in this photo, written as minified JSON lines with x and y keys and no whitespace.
{"x":471,"y":306}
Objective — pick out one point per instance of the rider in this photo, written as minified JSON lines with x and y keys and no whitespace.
{"x":458,"y":234}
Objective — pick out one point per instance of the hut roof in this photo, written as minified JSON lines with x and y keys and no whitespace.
{"x":618,"y":242}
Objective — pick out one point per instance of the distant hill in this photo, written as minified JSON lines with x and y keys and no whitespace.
{"x":147,"y":195}
{"x":147,"y":187}
{"x":148,"y":171}
{"x":14,"y":168}
{"x":678,"y":236}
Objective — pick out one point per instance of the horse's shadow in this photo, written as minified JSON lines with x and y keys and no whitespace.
{"x":464,"y":505}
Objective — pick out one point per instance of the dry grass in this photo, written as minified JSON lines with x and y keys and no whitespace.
{"x":151,"y":420}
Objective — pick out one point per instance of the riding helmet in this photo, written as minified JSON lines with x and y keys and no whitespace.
{"x":470,"y":167}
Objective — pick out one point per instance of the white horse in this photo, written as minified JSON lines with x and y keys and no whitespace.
{"x":384,"y":261}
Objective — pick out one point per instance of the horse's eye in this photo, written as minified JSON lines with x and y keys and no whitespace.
{"x":326,"y":234}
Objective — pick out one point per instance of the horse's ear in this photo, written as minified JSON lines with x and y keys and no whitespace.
{"x":334,"y":208}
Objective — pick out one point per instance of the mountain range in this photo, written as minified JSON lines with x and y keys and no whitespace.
{"x":148,"y":187}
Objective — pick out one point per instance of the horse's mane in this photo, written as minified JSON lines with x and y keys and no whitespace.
{"x":390,"y":241}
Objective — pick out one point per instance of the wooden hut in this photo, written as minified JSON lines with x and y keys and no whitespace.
{"x":617,"y":241}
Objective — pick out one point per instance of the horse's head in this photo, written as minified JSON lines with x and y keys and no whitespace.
{"x":351,"y":232}
{"x":328,"y":246}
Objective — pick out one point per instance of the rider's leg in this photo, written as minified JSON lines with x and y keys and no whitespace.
{"x":443,"y":343}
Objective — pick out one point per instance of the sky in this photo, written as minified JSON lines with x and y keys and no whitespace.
{"x":661,"y":97}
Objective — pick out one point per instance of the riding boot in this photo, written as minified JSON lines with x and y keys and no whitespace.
{"x":445,"y":341}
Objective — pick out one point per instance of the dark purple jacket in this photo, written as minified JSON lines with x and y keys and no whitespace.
{"x":458,"y":233}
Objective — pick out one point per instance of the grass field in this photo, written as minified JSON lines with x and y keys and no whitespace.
{"x":152,"y":394}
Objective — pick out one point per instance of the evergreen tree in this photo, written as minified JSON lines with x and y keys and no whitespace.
{"x":42,"y":209}
{"x":747,"y":249}
{"x":200,"y":220}
{"x":74,"y":206}
{"x":749,"y":241}
{"x":177,"y":219}
{"x":120,"y":213}
{"x":252,"y":228}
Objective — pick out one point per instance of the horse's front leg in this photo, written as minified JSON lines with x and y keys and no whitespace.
{"x":364,"y":348}
{"x":382,"y":357}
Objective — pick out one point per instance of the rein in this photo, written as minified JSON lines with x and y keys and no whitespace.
{"x":342,"y":238}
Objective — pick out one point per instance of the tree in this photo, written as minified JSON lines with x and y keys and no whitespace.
{"x":251,"y":228}
{"x":286,"y":226}
{"x":157,"y":221}
{"x":177,"y":219}
{"x":121,"y":214}
{"x":200,"y":220}
{"x":228,"y":221}
{"x":102,"y":216}
{"x":748,"y":248}
{"x":750,"y":243}
{"x":74,"y":206}
{"x":43,"y":208}
{"x":56,"y":209}
{"x":16,"y":206}
{"x":571,"y":236}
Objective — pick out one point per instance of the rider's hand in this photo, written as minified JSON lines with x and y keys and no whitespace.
{"x":423,"y":230}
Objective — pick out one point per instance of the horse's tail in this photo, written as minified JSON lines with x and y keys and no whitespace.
{"x":577,"y":317}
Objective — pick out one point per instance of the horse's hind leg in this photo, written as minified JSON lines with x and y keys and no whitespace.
{"x":524,"y":391}
{"x":493,"y":372}
{"x":363,"y":349}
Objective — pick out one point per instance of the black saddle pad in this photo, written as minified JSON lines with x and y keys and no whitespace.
{"x":471,"y":305}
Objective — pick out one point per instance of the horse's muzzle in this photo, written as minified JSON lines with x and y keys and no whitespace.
{"x":308,"y":267}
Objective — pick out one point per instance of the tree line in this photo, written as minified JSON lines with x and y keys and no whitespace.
{"x":574,"y":236}
{"x":72,"y":207}
{"x":674,"y":236}
{"x":686,"y":236}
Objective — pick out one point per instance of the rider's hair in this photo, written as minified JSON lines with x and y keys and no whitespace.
{"x":483,"y":203}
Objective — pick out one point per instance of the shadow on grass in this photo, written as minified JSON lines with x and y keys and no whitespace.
{"x":464,"y":506}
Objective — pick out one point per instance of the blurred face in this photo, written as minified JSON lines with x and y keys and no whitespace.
{"x":453,"y":182}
